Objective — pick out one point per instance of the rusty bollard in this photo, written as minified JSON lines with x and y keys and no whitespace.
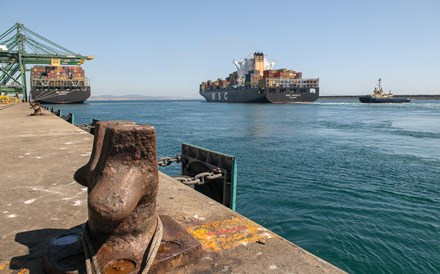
{"x":37,"y":109}
{"x":123,"y":232}
{"x":123,"y":227}
{"x":122,"y":198}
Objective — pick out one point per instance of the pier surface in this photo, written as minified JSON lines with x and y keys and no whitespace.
{"x":39,"y":200}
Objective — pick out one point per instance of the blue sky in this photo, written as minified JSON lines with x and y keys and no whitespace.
{"x":169,"y":47}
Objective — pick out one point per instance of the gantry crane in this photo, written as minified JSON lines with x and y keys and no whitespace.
{"x":20,"y":46}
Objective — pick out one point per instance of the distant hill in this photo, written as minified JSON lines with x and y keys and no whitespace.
{"x":135,"y":97}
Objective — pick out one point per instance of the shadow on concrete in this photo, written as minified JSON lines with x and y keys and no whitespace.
{"x":37,"y":242}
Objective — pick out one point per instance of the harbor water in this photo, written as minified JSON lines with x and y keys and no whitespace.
{"x":355,"y":184}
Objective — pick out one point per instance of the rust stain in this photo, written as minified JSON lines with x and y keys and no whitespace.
{"x":229,"y":233}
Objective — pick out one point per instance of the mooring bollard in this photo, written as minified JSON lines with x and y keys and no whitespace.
{"x":126,"y":172}
{"x":123,"y":232}
{"x":37,"y":109}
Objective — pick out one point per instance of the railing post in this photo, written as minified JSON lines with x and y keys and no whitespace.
{"x":71,"y":118}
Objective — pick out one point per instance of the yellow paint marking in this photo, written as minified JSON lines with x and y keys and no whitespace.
{"x":3,"y":265}
{"x":229,"y":233}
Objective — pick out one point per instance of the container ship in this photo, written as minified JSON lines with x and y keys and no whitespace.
{"x":59,"y":85}
{"x":255,"y":81}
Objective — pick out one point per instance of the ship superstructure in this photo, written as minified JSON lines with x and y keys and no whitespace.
{"x":255,"y":81}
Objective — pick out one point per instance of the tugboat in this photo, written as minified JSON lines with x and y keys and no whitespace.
{"x":379,"y":96}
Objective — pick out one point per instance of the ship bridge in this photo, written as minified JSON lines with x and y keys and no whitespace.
{"x":257,"y":62}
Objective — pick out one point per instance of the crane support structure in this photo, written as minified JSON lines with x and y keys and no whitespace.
{"x":20,"y":46}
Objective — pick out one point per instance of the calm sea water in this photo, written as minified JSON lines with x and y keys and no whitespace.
{"x":355,"y":184}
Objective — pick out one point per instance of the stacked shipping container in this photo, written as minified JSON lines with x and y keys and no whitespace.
{"x":214,"y":85}
{"x":252,"y":78}
{"x":57,"y":73}
{"x":281,"y":73}
{"x":58,"y":76}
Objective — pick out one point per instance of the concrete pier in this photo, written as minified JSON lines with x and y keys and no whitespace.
{"x":39,"y":199}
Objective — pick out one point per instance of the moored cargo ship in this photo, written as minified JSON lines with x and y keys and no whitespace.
{"x":59,"y":84}
{"x":255,"y":81}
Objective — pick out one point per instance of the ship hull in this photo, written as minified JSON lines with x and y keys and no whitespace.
{"x":61,"y":95}
{"x":370,"y":99}
{"x":257,"y":95}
